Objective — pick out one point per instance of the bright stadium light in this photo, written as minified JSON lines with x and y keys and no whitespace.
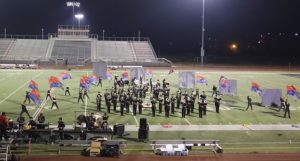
{"x":79,"y":17}
{"x":73,"y":5}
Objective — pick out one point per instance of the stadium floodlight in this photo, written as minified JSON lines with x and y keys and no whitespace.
{"x":79,"y":17}
{"x":73,"y":5}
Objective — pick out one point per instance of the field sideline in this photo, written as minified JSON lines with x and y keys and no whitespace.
{"x":14,"y":83}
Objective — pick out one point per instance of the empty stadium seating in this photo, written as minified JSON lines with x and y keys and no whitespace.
{"x":143,"y":49}
{"x":29,"y":49}
{"x":5,"y":46}
{"x":79,"y":52}
{"x":115,"y":50}
{"x":68,"y":48}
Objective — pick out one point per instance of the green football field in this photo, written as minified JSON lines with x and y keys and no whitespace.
{"x":14,"y":83}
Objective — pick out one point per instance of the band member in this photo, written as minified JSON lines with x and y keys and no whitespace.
{"x":173,"y":99}
{"x":85,"y":93}
{"x":98,"y":101}
{"x":99,"y":81}
{"x":24,"y":109}
{"x":287,"y":109}
{"x":249,"y":100}
{"x":134,"y":105}
{"x":217,"y":102}
{"x":140,"y":106}
{"x":183,"y":110}
{"x":27,"y":97}
{"x":282,"y":104}
{"x":202,"y":107}
{"x":80,"y":97}
{"x":48,"y":94}
{"x":61,"y":125}
{"x":153,"y":107}
{"x":54,"y":103}
{"x":214,"y":90}
{"x":167,"y":107}
{"x":67,"y":91}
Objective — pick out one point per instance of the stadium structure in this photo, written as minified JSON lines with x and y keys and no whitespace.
{"x":74,"y":45}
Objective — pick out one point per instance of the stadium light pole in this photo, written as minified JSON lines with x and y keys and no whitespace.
{"x":4,"y":32}
{"x":79,"y":17}
{"x":73,"y":5}
{"x":203,"y":30}
{"x":42,"y":33}
{"x":103,"y":31}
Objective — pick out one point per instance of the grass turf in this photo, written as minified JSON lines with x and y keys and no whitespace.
{"x":14,"y":83}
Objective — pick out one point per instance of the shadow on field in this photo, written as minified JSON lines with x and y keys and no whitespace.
{"x":269,"y":112}
{"x":274,"y":108}
{"x":66,"y":100}
{"x":231,"y":101}
{"x":277,"y":115}
{"x":240,"y":109}
{"x":257,"y":104}
{"x":130,"y":139}
{"x":273,"y":113}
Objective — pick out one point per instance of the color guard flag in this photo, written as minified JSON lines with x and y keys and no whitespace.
{"x":54,"y":82}
{"x":65,"y":75}
{"x":93,"y":79}
{"x":149,"y":72}
{"x":35,"y":96}
{"x":255,"y":88}
{"x":85,"y":78}
{"x":225,"y":83}
{"x":200,"y":79}
{"x":125,"y":76}
{"x":33,"y":85}
{"x":109,"y":75}
{"x":222,"y":78}
{"x":292,"y":91}
{"x":84,"y":84}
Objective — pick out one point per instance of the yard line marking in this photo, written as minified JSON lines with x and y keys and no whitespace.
{"x":85,"y":105}
{"x":137,"y":124}
{"x":41,"y":107}
{"x":19,"y":88}
{"x":185,"y":119}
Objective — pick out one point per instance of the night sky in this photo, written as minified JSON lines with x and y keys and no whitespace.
{"x":260,"y":28}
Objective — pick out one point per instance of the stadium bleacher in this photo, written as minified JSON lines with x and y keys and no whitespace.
{"x":143,"y":49}
{"x":5,"y":46}
{"x":31,"y":48}
{"x":114,"y":50}
{"x":79,"y":49}
{"x":74,"y":51}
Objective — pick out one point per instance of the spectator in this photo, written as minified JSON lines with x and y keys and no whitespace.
{"x":3,"y":126}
